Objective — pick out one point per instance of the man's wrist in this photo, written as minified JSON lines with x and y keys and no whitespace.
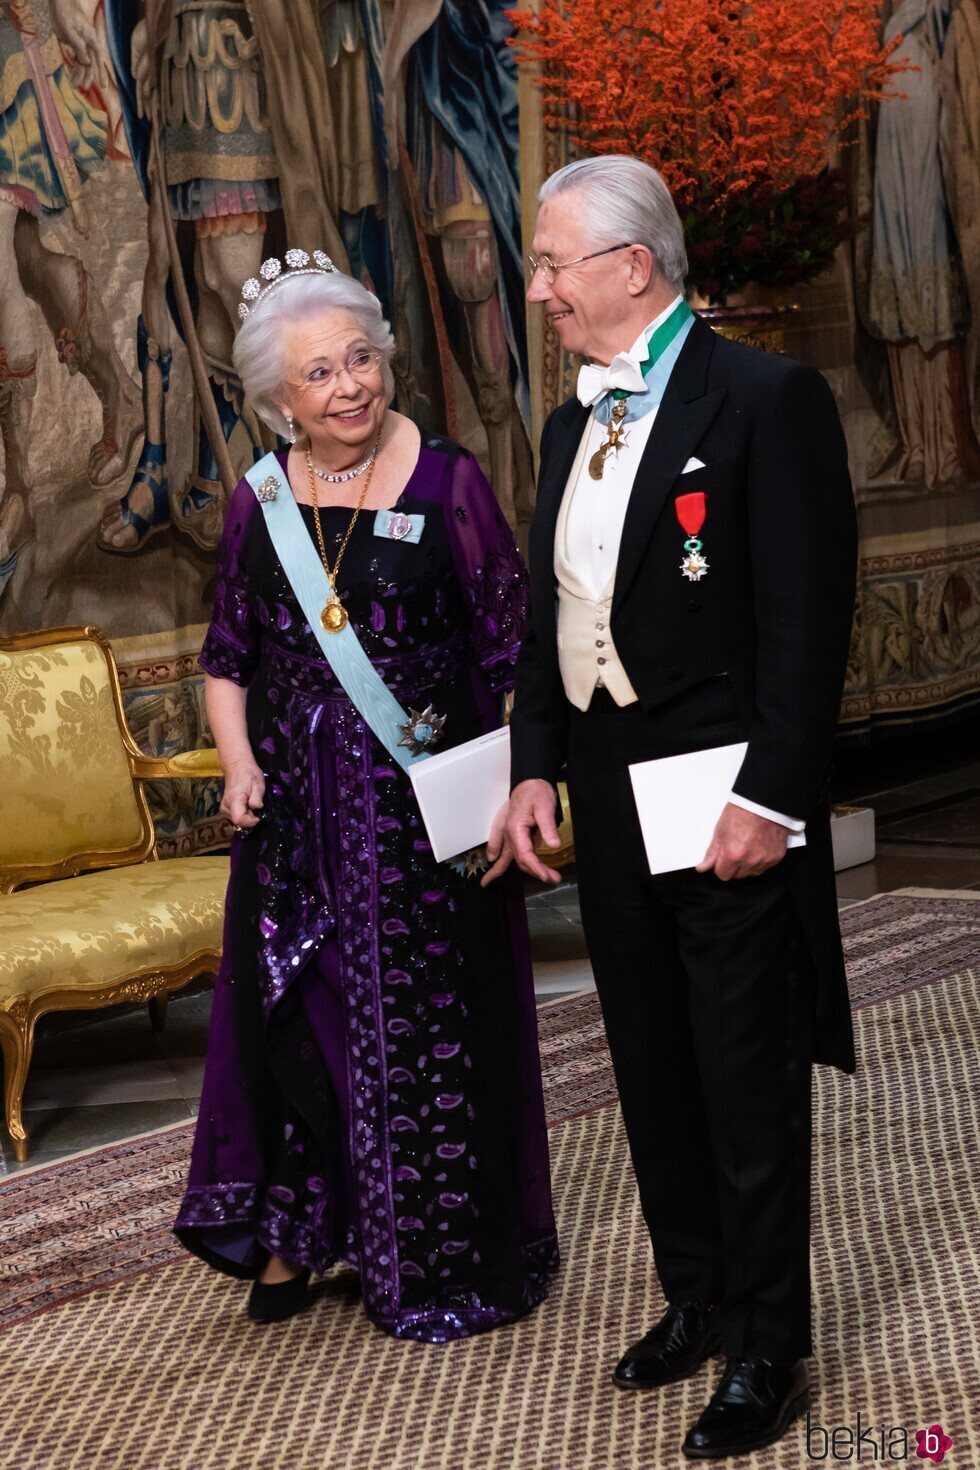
{"x":793,"y":824}
{"x":534,"y":781}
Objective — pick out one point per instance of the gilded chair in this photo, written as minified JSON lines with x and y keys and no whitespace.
{"x":103,"y":920}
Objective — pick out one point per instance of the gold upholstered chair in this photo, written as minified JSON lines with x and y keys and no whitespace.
{"x":88,"y":916}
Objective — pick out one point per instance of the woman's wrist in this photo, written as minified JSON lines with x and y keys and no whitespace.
{"x":242,"y":763}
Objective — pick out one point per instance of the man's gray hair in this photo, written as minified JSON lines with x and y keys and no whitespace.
{"x":259,"y":354}
{"x":628,"y":203}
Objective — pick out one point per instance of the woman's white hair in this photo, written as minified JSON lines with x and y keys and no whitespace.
{"x":259,"y":355}
{"x":627,"y":202}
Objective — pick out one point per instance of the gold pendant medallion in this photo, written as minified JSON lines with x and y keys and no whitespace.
{"x":334,"y":616}
{"x":598,"y":461}
{"x":616,"y":438}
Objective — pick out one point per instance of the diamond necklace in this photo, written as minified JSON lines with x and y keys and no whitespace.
{"x":344,"y":475}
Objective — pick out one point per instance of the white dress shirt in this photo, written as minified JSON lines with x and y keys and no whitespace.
{"x":597,"y":508}
{"x":590,"y":529}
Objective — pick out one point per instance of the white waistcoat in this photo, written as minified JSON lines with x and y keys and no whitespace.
{"x":586,"y":653}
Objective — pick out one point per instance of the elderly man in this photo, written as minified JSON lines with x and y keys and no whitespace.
{"x":692,"y":563}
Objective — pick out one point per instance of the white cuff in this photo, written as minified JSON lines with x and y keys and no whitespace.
{"x":792,"y":823}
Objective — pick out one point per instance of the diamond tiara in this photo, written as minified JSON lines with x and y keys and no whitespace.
{"x":271,"y":271}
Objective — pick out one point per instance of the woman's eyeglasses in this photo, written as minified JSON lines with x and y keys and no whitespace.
{"x":360,"y":365}
{"x":549,"y":268}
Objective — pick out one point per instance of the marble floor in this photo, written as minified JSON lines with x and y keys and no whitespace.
{"x":98,"y":1078}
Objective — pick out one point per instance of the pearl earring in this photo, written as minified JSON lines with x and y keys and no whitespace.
{"x":292,"y":428}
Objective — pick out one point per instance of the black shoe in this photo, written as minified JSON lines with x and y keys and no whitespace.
{"x":753,"y":1406}
{"x":282,"y":1299}
{"x":684,"y":1337}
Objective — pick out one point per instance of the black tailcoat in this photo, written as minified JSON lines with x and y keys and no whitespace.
{"x":772,"y":614}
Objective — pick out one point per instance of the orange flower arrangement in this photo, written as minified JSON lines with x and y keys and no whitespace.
{"x":737,"y":104}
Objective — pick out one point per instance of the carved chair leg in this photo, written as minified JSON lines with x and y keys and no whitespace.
{"x":17,"y":1042}
{"x":157,"y":1007}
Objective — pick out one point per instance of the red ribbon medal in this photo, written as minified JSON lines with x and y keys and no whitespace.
{"x":690,"y":511}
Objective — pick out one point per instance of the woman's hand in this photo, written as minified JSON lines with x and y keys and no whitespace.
{"x":244,"y":782}
{"x":244,"y":793}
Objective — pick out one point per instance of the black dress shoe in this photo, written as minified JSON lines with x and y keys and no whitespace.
{"x":753,"y":1406}
{"x":685,"y":1336}
{"x":281,"y":1299}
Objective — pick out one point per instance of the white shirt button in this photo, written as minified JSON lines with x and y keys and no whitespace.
{"x":600,"y":643}
{"x":600,"y":660}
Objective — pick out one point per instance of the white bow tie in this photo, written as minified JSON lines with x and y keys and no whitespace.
{"x":595,"y":382}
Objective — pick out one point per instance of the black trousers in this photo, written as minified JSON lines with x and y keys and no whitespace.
{"x":707,"y":995}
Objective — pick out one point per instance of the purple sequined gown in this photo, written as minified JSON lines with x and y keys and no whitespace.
{"x":372,"y":1091}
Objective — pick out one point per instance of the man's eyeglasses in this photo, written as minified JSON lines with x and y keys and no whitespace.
{"x":360,"y":365}
{"x":549,"y":268}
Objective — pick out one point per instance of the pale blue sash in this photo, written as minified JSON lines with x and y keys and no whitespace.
{"x":304,"y":570}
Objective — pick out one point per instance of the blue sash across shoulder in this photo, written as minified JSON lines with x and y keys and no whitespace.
{"x":355,"y":672}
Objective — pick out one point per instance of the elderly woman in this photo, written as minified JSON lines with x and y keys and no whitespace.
{"x":372,"y":1092}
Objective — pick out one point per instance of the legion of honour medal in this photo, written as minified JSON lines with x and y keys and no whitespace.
{"x":690,"y":511}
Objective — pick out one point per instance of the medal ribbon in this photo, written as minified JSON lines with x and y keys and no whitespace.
{"x":663,"y":349}
{"x":659,"y":341}
{"x":690,"y":511}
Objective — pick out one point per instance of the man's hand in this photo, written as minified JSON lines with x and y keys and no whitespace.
{"x":744,"y":845}
{"x":530,"y":819}
{"x":244,"y":793}
{"x":499,"y":850}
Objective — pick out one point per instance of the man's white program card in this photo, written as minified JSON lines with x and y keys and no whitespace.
{"x":679,"y":800}
{"x":460,"y":791}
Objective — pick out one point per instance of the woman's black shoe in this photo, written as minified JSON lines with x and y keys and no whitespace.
{"x":280,"y":1300}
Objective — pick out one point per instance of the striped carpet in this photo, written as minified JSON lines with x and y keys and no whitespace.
{"x":160,"y":1371}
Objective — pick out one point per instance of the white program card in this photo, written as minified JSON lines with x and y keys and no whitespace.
{"x":679,"y":800}
{"x":460,"y":791}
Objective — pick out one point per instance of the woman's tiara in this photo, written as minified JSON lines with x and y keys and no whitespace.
{"x":271,"y":271}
